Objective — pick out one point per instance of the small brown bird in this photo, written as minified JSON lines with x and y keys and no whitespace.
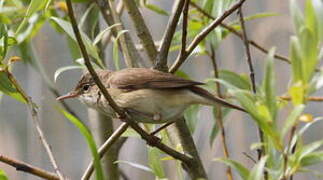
{"x":148,"y":95}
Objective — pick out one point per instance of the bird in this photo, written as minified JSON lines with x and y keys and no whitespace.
{"x":147,"y":95}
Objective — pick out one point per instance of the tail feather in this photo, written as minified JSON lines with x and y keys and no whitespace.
{"x":204,"y":93}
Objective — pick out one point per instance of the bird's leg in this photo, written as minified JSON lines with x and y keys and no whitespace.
{"x":161,"y":128}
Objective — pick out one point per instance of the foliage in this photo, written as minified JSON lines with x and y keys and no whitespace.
{"x":21,"y":20}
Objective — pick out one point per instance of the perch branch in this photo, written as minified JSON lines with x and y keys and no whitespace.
{"x":151,"y":140}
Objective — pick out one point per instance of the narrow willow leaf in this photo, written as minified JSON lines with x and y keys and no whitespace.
{"x":292,"y":118}
{"x":243,"y":171}
{"x":298,"y":18}
{"x":310,"y":19}
{"x":65,"y":68}
{"x":90,"y":141}
{"x":156,"y":9}
{"x":307,"y":149}
{"x":155,"y":162}
{"x":296,"y":59}
{"x":67,"y":27}
{"x":135,"y":165}
{"x":116,"y":49}
{"x":312,"y":158}
{"x":318,"y":7}
{"x":257,"y":171}
{"x":235,"y":79}
{"x":269,"y":84}
{"x":101,"y":34}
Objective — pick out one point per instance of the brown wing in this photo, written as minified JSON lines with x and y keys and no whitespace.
{"x":141,"y":78}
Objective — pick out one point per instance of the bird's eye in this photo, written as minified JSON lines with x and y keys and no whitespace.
{"x":86,"y":87}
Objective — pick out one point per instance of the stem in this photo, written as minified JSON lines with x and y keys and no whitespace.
{"x":22,"y":166}
{"x":219,"y":117}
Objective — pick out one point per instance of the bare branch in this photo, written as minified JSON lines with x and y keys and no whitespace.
{"x":235,"y":32}
{"x":219,"y":117}
{"x":105,"y":147}
{"x":141,"y":29}
{"x":179,"y":61}
{"x":184,"y":28}
{"x":33,"y":111}
{"x":151,"y":140}
{"x":22,"y":166}
{"x":161,"y":60}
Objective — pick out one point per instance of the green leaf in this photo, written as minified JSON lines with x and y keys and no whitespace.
{"x":318,"y":7}
{"x":135,"y":165}
{"x":90,"y":141}
{"x":115,"y":51}
{"x":235,"y":79}
{"x":34,"y":6}
{"x":297,"y":93}
{"x":65,"y":68}
{"x":155,"y":162}
{"x":309,"y":148}
{"x":297,"y":15}
{"x":215,"y":127}
{"x":8,"y":88}
{"x":296,"y":59}
{"x":310,"y":19}
{"x":243,"y":172}
{"x":3,"y":175}
{"x":257,"y":171}
{"x":156,"y":9}
{"x":93,"y":51}
{"x":292,"y":118}
{"x":101,"y":34}
{"x":312,"y":158}
{"x":190,"y":115}
{"x":269,"y":84}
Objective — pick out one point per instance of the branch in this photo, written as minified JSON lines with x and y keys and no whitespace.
{"x":184,"y":28}
{"x":141,"y":29}
{"x":161,"y":60}
{"x":179,"y":61}
{"x":22,"y":166}
{"x":105,"y":147}
{"x":219,"y":115}
{"x":311,"y":98}
{"x":127,"y":46}
{"x":32,"y":108}
{"x":151,"y":140}
{"x":235,"y":32}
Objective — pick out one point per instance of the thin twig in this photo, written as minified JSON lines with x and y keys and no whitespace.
{"x":219,"y":117}
{"x":184,"y":28}
{"x":201,"y":36}
{"x":311,"y":98}
{"x":247,"y":49}
{"x":151,"y":140}
{"x":237,"y":33}
{"x":161,"y":59}
{"x":105,"y":147}
{"x":142,"y":30}
{"x":33,"y":110}
{"x":22,"y":166}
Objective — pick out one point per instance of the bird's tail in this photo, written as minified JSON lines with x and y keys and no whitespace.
{"x":204,"y":93}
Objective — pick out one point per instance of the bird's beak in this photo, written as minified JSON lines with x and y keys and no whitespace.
{"x":68,"y":95}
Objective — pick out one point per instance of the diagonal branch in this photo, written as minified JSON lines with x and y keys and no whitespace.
{"x":22,"y":166}
{"x":105,"y":147}
{"x":141,"y":29}
{"x":237,"y":33}
{"x":161,"y":60}
{"x":201,"y":36}
{"x":34,"y":114}
{"x":151,"y":140}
